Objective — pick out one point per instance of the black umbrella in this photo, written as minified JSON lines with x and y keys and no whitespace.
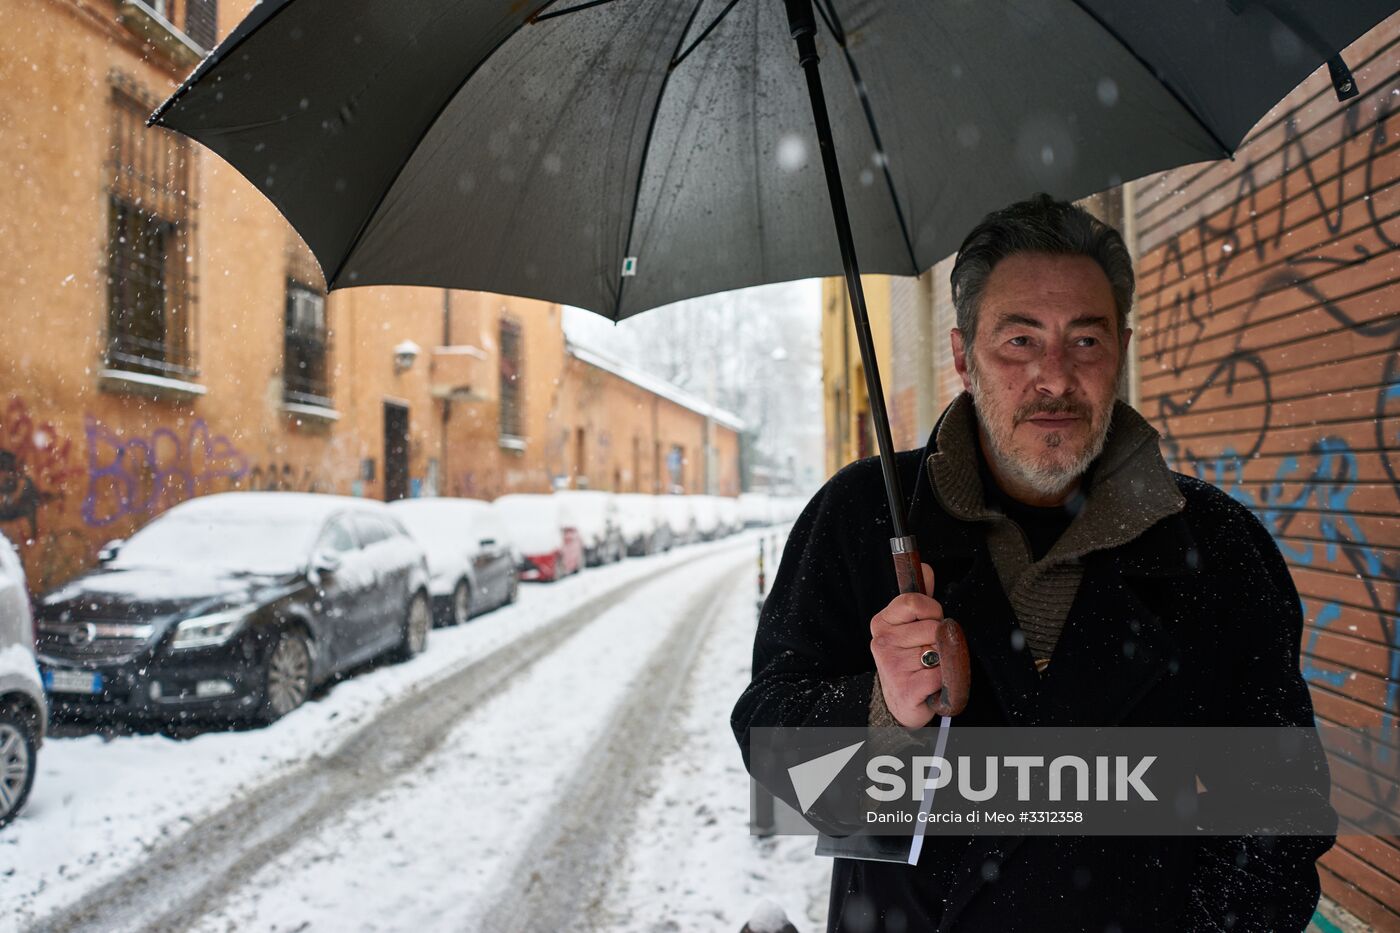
{"x":618,"y":155}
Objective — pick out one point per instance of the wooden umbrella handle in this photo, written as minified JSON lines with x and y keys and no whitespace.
{"x":949,"y":640}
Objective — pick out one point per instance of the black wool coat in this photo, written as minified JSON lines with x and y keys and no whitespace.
{"x":1195,"y":622}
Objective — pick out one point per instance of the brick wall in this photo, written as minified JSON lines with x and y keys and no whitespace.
{"x":1269,"y":349}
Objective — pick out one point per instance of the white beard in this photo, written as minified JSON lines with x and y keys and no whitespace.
{"x":1046,"y":474}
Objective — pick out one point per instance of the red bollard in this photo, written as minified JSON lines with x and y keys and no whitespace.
{"x":762,"y":583}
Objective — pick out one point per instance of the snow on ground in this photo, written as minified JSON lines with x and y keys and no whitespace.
{"x":423,"y":854}
{"x":98,"y":805}
{"x":694,"y":865}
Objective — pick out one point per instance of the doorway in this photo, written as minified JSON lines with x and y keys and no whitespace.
{"x":395,"y":451}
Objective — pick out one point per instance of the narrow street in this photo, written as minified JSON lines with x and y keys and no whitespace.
{"x":565,"y":764}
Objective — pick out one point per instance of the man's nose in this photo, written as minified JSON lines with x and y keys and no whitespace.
{"x":1055,"y":376}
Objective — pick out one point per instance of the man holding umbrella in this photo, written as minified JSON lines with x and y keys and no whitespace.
{"x":620,"y":155}
{"x":1095,"y":586}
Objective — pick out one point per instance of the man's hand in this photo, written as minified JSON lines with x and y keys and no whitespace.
{"x":899,"y":634}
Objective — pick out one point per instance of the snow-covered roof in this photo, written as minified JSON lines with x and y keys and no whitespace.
{"x":655,"y":385}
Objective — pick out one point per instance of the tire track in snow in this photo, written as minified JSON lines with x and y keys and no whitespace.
{"x":557,"y":884}
{"x":183,"y":879}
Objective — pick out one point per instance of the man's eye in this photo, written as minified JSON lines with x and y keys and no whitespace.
{"x":1020,"y":341}
{"x":1087,"y":342}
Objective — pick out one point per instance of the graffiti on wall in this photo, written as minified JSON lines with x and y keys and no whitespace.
{"x":131,"y":474}
{"x":1317,"y":504}
{"x":56,"y":498}
{"x":36,"y":461}
{"x":283,"y":477}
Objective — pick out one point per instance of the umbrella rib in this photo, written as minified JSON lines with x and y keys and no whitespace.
{"x":839,"y":34}
{"x":701,"y":38}
{"x":646,"y":149}
{"x":829,"y":18}
{"x":1225,"y":150}
{"x":539,"y":17}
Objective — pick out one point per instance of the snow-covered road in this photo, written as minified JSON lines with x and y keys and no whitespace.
{"x":563,"y":764}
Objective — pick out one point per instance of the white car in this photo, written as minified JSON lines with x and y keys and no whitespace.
{"x":707,"y":519}
{"x":598,"y":523}
{"x":24,"y":711}
{"x":756,"y":509}
{"x":644,"y":526}
{"x":729,"y":520}
{"x":472,"y":559}
{"x":680,"y":516}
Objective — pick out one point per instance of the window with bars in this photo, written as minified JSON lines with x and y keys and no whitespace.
{"x":202,"y":22}
{"x":305,"y":375}
{"x":150,"y":274}
{"x":512,"y":419}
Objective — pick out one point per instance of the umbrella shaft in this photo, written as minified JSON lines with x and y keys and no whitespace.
{"x":804,"y":32}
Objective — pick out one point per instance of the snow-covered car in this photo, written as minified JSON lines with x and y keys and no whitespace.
{"x":680,"y":518}
{"x":233,"y":606}
{"x":787,"y":508}
{"x":707,"y":520}
{"x":472,"y":560}
{"x":729,"y":521}
{"x":644,"y":528}
{"x":545,"y":534}
{"x":755,"y":509}
{"x":596,"y":512}
{"x":24,"y":712}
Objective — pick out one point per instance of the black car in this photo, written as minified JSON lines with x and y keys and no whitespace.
{"x":233,"y":606}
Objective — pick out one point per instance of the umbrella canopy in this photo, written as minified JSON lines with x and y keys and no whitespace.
{"x":624,"y":154}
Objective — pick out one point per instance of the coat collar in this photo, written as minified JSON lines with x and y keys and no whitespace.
{"x":1130,"y":480}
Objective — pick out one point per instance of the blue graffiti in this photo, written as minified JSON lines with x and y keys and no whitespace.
{"x":1326,"y":490}
{"x":1329,"y":613}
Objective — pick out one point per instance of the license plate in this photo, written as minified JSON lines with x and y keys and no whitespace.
{"x":73,"y":681}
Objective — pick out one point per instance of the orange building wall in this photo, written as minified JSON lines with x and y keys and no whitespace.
{"x":614,"y":414}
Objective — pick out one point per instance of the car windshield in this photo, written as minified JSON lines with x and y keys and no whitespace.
{"x":230,"y":541}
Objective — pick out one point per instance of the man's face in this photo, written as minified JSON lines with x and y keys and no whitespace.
{"x":1043,"y":370}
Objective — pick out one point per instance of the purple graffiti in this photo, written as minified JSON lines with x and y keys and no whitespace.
{"x":144,"y":474}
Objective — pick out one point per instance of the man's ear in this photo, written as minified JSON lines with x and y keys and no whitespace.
{"x":960,"y":357}
{"x":1123,"y":341}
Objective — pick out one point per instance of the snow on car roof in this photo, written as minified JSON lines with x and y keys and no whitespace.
{"x":432,"y":504}
{"x":290,"y":505}
{"x":525,"y":501}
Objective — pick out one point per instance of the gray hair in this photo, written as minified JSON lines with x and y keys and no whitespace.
{"x":1039,"y":224}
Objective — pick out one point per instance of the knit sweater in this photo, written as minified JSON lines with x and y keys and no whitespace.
{"x":1130,"y":489}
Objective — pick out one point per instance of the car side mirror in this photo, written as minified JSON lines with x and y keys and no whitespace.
{"x":325,"y":563}
{"x":110,"y":549}
{"x":487,"y":542}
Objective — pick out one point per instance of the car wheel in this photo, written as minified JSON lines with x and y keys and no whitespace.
{"x":286,"y":675}
{"x":461,"y":609}
{"x":417,"y":620}
{"x":514,"y":593}
{"x":18,"y":748}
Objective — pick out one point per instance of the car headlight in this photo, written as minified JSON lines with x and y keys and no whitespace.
{"x":213,"y":629}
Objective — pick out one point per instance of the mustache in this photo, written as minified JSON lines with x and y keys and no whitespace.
{"x":1054,"y":406}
